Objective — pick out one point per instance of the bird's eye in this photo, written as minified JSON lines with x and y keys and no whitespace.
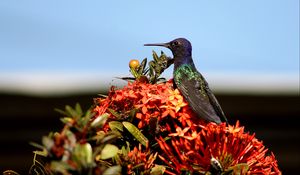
{"x":175,"y":43}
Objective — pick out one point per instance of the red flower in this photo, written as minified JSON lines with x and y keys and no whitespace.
{"x":235,"y":151}
{"x":139,"y":158}
{"x":150,"y":100}
{"x":191,"y":144}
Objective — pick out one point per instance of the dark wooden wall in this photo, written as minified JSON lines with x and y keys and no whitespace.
{"x":274,"y":119}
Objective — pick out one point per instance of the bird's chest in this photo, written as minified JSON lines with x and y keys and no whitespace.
{"x":188,"y":80}
{"x":184,"y":73}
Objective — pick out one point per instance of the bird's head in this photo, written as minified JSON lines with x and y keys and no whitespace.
{"x":180,"y":47}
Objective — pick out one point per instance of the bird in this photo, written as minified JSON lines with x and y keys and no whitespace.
{"x":191,"y":84}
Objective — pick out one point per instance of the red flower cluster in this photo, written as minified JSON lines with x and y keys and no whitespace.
{"x":230,"y":148}
{"x":186,"y":143}
{"x":150,"y":101}
{"x":138,"y":157}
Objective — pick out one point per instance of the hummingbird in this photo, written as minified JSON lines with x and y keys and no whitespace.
{"x":191,"y":84}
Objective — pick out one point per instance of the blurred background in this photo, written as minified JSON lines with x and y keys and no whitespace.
{"x":58,"y":53}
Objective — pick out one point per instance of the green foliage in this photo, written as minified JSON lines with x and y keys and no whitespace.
{"x":82,"y":147}
{"x":113,"y":170}
{"x":109,"y":151}
{"x":100,"y":121}
{"x":155,"y":68}
{"x":158,"y":65}
{"x":136,"y":133}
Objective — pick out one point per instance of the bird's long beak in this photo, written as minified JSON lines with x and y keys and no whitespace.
{"x":158,"y":44}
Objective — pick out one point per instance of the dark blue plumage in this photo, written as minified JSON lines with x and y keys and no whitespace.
{"x":191,"y":83}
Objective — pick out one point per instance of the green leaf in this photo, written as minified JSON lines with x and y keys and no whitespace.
{"x":132,"y":114}
{"x":157,"y":170}
{"x":155,"y":56}
{"x":66,"y":120}
{"x":110,"y":137}
{"x":136,"y":133}
{"x":60,"y":167}
{"x":114,"y":170}
{"x":36,"y":145}
{"x":100,"y":135}
{"x":72,"y":112}
{"x":125,"y":149}
{"x":100,"y":120}
{"x":78,"y":109}
{"x":109,"y":151}
{"x":61,"y":111}
{"x":141,"y":68}
{"x":115,"y":125}
{"x":83,"y":154}
{"x":47,"y":142}
{"x":151,"y":68}
{"x":114,"y":113}
{"x":84,"y":120}
{"x":134,"y":72}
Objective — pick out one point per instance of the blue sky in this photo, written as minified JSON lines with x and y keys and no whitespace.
{"x":102,"y":36}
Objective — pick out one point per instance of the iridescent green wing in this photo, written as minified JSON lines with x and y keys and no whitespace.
{"x":193,"y":87}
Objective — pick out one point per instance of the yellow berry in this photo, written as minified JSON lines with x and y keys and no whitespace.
{"x":134,"y":64}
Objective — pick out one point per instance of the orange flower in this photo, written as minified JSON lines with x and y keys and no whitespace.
{"x":151,"y":100}
{"x":176,"y":99}
{"x":138,"y":157}
{"x":180,"y":132}
{"x":185,"y":134}
{"x":193,"y":145}
{"x":232,"y":148}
